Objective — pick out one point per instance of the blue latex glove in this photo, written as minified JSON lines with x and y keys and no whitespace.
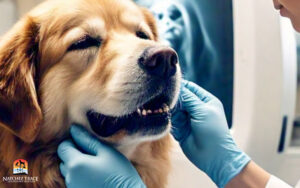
{"x":200,"y":127}
{"x":100,"y":166}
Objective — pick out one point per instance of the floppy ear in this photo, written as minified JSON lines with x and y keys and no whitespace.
{"x":20,"y":112}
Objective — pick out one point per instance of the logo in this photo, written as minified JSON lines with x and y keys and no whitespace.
{"x":20,"y":173}
{"x":20,"y":167}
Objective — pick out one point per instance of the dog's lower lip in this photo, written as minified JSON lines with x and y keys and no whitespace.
{"x":106,"y":126}
{"x":151,"y":117}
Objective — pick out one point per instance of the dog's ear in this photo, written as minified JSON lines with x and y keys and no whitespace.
{"x":20,"y":112}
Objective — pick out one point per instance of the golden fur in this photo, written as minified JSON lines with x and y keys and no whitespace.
{"x":43,"y":87}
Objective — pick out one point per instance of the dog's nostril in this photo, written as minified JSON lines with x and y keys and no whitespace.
{"x":174,"y":59}
{"x":141,"y":60}
{"x":159,"y":61}
{"x":173,"y":62}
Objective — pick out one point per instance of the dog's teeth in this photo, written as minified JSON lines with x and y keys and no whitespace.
{"x":160,"y":110}
{"x":144,"y":112}
{"x":139,"y":111}
{"x":149,"y":111}
{"x":166,"y":109}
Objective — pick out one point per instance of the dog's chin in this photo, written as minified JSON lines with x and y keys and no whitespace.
{"x":150,"y":119}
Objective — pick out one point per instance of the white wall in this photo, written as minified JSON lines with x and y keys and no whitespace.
{"x":12,"y":10}
{"x":8,"y":15}
{"x":25,"y":5}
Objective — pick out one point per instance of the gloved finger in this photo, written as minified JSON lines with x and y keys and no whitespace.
{"x":67,"y":151}
{"x":179,"y":126}
{"x":191,"y":104}
{"x":63,"y":169}
{"x":203,"y":95}
{"x":86,"y":141}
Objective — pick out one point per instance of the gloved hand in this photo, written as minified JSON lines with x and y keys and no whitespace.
{"x":200,"y":127}
{"x":100,"y":166}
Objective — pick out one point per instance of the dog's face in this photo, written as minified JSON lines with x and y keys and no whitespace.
{"x":91,"y":62}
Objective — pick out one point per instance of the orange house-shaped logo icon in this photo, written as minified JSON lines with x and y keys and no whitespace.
{"x":20,"y":167}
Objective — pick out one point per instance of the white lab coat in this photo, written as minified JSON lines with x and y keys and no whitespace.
{"x":275,"y":182}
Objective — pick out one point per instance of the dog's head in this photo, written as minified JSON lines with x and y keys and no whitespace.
{"x":91,"y":62}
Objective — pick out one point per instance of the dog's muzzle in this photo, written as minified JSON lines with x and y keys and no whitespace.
{"x":152,"y":102}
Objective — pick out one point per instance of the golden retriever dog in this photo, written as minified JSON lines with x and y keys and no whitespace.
{"x":92,"y":62}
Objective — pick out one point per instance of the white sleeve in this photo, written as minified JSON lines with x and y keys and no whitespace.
{"x":298,"y":184}
{"x":275,"y":182}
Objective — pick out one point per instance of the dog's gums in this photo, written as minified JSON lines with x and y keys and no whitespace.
{"x":150,"y":119}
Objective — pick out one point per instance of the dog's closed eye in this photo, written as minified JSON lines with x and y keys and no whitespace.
{"x":84,"y":43}
{"x":142,"y":35}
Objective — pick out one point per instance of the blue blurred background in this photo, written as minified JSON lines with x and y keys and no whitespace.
{"x":201,"y":31}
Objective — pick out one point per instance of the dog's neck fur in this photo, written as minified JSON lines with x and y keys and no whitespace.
{"x":42,"y":161}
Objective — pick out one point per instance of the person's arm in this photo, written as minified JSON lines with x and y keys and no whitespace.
{"x":251,"y":176}
{"x":254,"y":176}
{"x":200,"y":127}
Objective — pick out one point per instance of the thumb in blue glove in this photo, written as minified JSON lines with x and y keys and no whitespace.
{"x":99,"y":165}
{"x":200,"y":127}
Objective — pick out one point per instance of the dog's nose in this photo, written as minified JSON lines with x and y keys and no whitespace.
{"x":159,"y":61}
